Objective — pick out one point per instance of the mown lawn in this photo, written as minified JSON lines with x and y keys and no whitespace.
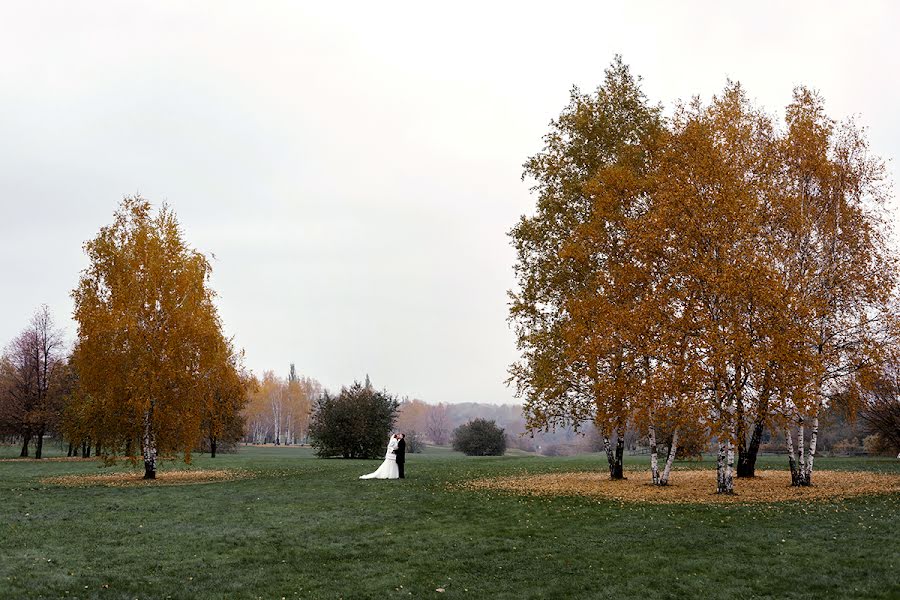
{"x":307,"y":528}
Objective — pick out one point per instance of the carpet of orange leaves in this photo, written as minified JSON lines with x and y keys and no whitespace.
{"x":694,"y":486}
{"x":135,"y":478}
{"x":52,"y":459}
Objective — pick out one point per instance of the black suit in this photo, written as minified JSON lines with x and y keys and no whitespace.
{"x":401,"y":456}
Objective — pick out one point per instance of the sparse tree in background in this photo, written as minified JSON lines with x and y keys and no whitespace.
{"x":479,"y":437}
{"x":149,"y":336}
{"x":880,"y":414}
{"x":413,"y":416}
{"x":438,"y":425}
{"x":277,"y":397}
{"x":34,"y":380}
{"x":353,"y":424}
{"x":414,"y":442}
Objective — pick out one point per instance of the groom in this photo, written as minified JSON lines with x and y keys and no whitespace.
{"x":401,"y":454}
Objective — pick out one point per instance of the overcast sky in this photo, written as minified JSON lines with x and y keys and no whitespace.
{"x":355,"y":167}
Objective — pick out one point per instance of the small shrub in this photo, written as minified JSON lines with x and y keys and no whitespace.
{"x":847,"y":447}
{"x":559,"y":450}
{"x":876,"y":445}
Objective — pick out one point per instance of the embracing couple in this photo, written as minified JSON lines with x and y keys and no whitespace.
{"x":394,"y":460}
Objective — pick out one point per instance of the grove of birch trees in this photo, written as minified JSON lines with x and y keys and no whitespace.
{"x":278,"y":409}
{"x":715,"y":269}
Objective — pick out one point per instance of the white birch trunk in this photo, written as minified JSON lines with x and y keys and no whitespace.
{"x":792,"y":456}
{"x":729,"y":464}
{"x":664,"y":480}
{"x":801,"y":450}
{"x":789,"y":438}
{"x":609,"y":454}
{"x":148,"y":445}
{"x":725,"y":468}
{"x":814,"y":437}
{"x":720,"y":468}
{"x":654,"y":463}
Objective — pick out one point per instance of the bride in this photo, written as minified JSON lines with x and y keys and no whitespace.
{"x":388,"y":469}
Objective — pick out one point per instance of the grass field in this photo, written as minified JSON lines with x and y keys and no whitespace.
{"x":307,"y":528}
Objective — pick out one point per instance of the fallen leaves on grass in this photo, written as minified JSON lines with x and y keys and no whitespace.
{"x":52,"y":459}
{"x":135,"y":478}
{"x":694,"y":486}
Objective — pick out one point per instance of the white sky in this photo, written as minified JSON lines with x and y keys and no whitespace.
{"x":355,"y":167}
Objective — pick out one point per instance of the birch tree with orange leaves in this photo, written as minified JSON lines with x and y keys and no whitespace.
{"x":149,"y":335}
{"x":564,"y":383}
{"x":836,"y":262}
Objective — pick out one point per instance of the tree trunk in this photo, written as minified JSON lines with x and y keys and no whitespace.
{"x":148,"y":445}
{"x":616,"y":470}
{"x":720,"y":467}
{"x":26,"y":439}
{"x":620,"y":454}
{"x":654,"y":463}
{"x":792,"y":457}
{"x":69,"y":452}
{"x":806,"y":473}
{"x":729,"y":464}
{"x":724,"y":464}
{"x":98,"y":449}
{"x":747,"y":457}
{"x":212,"y":447}
{"x":39,"y":444}
{"x":664,"y":480}
{"x":610,"y":458}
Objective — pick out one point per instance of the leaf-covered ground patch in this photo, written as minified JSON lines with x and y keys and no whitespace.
{"x":135,"y":478}
{"x":693,"y":486}
{"x":50,"y":459}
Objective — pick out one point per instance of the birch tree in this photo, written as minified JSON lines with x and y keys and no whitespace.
{"x":563,"y":383}
{"x":838,"y":263}
{"x":148,"y":331}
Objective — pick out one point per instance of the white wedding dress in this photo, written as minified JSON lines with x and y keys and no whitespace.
{"x":389,"y":468}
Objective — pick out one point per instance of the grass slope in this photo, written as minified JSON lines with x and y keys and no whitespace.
{"x":305,"y":527}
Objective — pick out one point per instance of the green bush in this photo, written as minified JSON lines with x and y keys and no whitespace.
{"x":354,"y":424}
{"x":480,"y":437}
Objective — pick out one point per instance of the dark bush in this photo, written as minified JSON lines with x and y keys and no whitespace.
{"x":480,"y":437}
{"x":354,"y":424}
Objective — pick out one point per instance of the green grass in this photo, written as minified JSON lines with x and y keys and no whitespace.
{"x":306,"y":527}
